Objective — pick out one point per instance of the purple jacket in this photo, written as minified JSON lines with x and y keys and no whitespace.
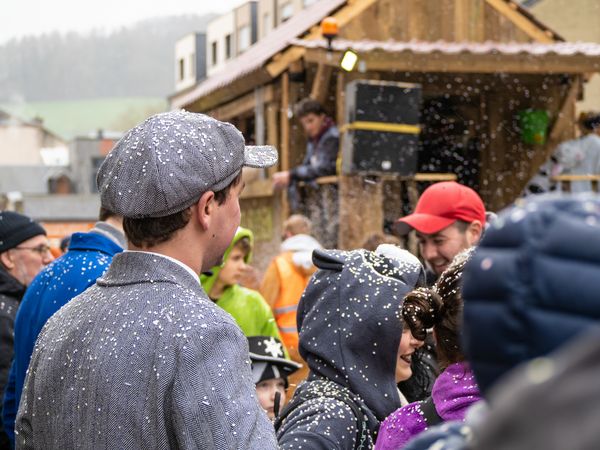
{"x":453,"y":392}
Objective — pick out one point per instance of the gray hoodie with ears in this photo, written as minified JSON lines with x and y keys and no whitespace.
{"x":350,"y":330}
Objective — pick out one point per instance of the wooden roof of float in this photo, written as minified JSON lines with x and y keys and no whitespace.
{"x":428,"y":21}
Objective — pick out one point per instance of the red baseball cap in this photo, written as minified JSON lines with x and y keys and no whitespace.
{"x":440,"y":205}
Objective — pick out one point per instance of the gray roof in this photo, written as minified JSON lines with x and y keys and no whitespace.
{"x":62,"y":208}
{"x":256,"y":56}
{"x":28,"y":179}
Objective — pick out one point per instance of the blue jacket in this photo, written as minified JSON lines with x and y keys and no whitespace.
{"x":532,"y":284}
{"x":88,"y":257}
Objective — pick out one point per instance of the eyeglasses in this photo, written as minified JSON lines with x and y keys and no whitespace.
{"x":41,"y":249}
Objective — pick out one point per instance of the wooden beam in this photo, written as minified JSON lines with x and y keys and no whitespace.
{"x":272,"y":131}
{"x":283,"y":60}
{"x":565,"y":181}
{"x":340,"y":99}
{"x":259,"y":115}
{"x":320,"y":87}
{"x":354,"y":194}
{"x":284,"y":157}
{"x":258,"y":189}
{"x":510,"y":11}
{"x":244,"y":104}
{"x":377,"y":60}
{"x":284,"y":150}
{"x":224,"y":94}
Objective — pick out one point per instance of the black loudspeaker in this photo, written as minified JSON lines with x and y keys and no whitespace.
{"x":381,"y":134}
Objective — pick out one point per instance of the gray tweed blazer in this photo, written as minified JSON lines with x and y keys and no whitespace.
{"x":141,"y":360}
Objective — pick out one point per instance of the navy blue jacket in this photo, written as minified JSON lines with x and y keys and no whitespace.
{"x":532,"y":284}
{"x":88,"y":257}
{"x":320,"y":159}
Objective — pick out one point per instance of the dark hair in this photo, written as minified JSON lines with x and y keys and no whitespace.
{"x":376,"y":239}
{"x":308,"y":106}
{"x":245,"y":245}
{"x":440,"y":308}
{"x":105,"y":214}
{"x":151,"y":231}
{"x":64,"y":243}
{"x":461,"y":225}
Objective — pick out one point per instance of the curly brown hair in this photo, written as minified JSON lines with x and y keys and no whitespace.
{"x":440,"y":308}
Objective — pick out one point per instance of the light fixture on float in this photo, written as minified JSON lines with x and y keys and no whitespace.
{"x":329,"y":30}
{"x":349,"y":60}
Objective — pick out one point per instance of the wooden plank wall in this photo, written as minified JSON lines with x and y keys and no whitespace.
{"x":448,"y":20}
{"x":508,"y":163}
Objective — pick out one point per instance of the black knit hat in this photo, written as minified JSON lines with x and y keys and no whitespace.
{"x":16,"y":228}
{"x":592,"y":121}
{"x":268,"y":359}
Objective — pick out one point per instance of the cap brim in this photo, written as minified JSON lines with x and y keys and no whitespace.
{"x":292,"y":365}
{"x":423,"y":223}
{"x":260,"y":156}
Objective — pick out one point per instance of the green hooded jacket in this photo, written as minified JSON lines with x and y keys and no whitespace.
{"x":249,"y":309}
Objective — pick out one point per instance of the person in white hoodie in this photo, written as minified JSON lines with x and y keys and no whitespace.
{"x":580,"y":156}
{"x":285,"y":280}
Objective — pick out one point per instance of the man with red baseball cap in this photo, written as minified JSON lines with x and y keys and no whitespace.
{"x":448,"y":219}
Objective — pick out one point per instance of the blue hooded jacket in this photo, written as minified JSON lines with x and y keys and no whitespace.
{"x":532,"y":284}
{"x":88,"y":257}
{"x":350,"y":329}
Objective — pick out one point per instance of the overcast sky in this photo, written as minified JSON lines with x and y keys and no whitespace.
{"x":24,"y":17}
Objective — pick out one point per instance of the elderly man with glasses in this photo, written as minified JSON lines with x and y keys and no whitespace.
{"x":24,"y":251}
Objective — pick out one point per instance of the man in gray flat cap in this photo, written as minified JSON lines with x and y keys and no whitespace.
{"x":143,"y":359}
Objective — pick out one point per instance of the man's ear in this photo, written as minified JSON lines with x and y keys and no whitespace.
{"x":6,"y":260}
{"x":206,"y":208}
{"x":474,"y":232}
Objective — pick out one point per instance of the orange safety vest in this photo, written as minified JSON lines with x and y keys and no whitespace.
{"x":292,"y":283}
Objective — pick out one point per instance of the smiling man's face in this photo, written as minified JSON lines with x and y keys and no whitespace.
{"x":439,"y":249}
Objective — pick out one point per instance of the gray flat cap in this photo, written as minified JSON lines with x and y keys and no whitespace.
{"x":165,"y":164}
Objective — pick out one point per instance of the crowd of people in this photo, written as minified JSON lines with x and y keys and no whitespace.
{"x":142,"y":335}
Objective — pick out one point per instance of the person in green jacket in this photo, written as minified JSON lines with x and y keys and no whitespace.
{"x":248,"y":307}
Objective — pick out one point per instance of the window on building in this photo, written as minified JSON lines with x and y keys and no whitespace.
{"x":287,"y":11}
{"x":244,"y":38}
{"x":214,"y":53}
{"x":61,"y":184}
{"x":181,"y":69}
{"x":228,"y":51}
{"x":96,"y":163}
{"x":193,"y":65}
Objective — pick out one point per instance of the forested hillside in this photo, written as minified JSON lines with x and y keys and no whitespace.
{"x":136,"y":61}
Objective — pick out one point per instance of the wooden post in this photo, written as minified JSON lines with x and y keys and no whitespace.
{"x":360,"y":211}
{"x":565,"y":118}
{"x":272,"y":128}
{"x":320,"y":87}
{"x":360,"y":200}
{"x":284,"y":154}
{"x":259,"y":114}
